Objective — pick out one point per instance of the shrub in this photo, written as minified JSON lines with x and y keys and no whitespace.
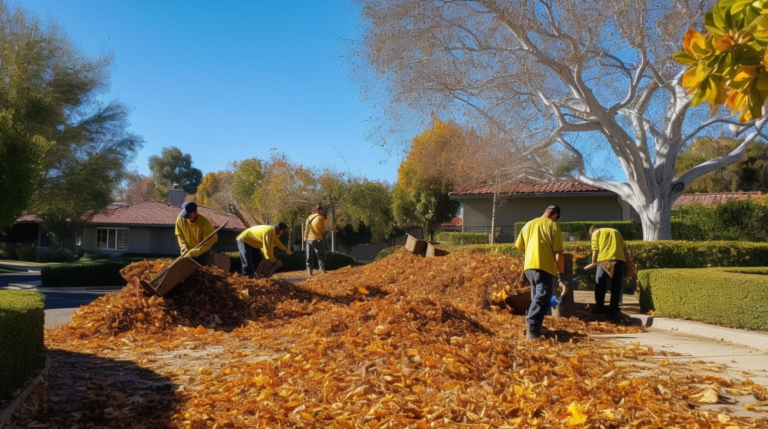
{"x":459,"y":238}
{"x":57,"y":255}
{"x":25,"y":252}
{"x":90,"y":273}
{"x":658,"y":254}
{"x":22,"y":320}
{"x":383,"y":253}
{"x":6,"y":251}
{"x":734,"y":297}
{"x":296,"y":261}
{"x":740,"y":220}
{"x":580,"y":230}
{"x":94,"y":256}
{"x":149,"y":255}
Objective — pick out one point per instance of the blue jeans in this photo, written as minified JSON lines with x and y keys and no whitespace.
{"x":602,"y":280}
{"x":316,"y":253}
{"x":541,"y":293}
{"x":250,"y":257}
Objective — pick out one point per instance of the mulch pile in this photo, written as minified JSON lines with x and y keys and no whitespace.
{"x":403,"y":342}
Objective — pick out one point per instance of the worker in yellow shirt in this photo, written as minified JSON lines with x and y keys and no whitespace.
{"x":257,"y":243}
{"x":541,"y":242}
{"x":609,"y":255}
{"x":191,"y":229}
{"x":313,"y":235}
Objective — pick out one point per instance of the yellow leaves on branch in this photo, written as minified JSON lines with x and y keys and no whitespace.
{"x":727,"y":65}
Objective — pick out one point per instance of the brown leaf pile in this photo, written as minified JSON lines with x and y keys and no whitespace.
{"x":406,"y":342}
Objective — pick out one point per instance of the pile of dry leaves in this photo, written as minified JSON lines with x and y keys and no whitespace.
{"x":406,"y":342}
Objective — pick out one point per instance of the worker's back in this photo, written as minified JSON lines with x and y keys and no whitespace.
{"x":538,"y":241}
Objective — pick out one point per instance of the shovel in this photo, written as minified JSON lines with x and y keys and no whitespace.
{"x":178,"y":271}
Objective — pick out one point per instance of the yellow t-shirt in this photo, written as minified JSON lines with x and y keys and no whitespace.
{"x":262,"y":237}
{"x":314,"y":227}
{"x":609,"y":243}
{"x":189,"y":234}
{"x":538,"y":241}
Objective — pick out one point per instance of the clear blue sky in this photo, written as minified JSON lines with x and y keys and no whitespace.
{"x":230,"y":80}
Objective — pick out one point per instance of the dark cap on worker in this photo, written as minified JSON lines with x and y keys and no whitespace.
{"x":187,"y":208}
{"x":554,"y":209}
{"x":282,"y":226}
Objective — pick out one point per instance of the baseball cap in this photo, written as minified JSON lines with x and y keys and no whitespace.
{"x":187,"y":208}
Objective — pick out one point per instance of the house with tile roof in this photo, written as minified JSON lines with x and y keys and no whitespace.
{"x":714,"y":198}
{"x":524,"y":201}
{"x":145,"y":227}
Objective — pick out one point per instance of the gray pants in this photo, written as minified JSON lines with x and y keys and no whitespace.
{"x":316,"y":254}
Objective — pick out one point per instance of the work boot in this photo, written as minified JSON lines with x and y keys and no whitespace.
{"x":322,"y":270}
{"x":309,"y":272}
{"x":532,"y":332}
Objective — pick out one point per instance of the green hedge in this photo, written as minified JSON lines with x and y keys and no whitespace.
{"x":296,"y":261}
{"x":458,"y":238}
{"x":580,"y":230}
{"x":659,"y":254}
{"x":734,"y":297}
{"x":383,"y":253}
{"x":22,"y":321}
{"x":105,"y":272}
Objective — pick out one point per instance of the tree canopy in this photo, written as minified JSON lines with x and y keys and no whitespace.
{"x":61,"y":151}
{"x":173,"y":166}
{"x":424,"y":178}
{"x":751,"y":174}
{"x":592,"y":78}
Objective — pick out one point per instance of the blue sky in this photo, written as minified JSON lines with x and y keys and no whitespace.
{"x":230,"y":80}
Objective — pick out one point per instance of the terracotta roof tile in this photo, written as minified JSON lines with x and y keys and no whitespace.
{"x":531,"y":188}
{"x":714,"y":198}
{"x":457,"y":221}
{"x":151,"y":213}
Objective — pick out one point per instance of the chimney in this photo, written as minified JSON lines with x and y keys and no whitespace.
{"x":177,"y":195}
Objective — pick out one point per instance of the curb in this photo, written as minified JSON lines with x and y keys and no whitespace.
{"x":718,"y":333}
{"x":7,"y":413}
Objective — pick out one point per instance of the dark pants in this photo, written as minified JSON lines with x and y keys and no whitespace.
{"x":602,"y":280}
{"x":204,"y":259}
{"x":541,"y":293}
{"x":316,"y":253}
{"x":250,"y":257}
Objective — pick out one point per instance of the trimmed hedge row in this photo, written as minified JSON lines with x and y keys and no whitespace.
{"x":681,"y":230}
{"x":102,"y":272}
{"x":734,"y":297}
{"x":458,"y":238}
{"x":658,"y":254}
{"x":22,"y":320}
{"x":580,"y":230}
{"x":296,"y":261}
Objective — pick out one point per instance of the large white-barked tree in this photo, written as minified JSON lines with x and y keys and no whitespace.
{"x":587,"y":76}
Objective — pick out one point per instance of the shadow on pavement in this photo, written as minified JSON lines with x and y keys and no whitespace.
{"x":83,"y":390}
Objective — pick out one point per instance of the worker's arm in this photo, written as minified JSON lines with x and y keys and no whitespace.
{"x":204,"y":247}
{"x":520,"y":243}
{"x":594,"y":256}
{"x":560,"y":261}
{"x":183,"y":247}
{"x":268,"y":243}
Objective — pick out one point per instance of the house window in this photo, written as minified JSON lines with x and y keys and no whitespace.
{"x":112,"y":238}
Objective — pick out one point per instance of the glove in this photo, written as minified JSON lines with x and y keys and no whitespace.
{"x":288,"y":252}
{"x":273,"y":260}
{"x":591,"y":266}
{"x":561,"y":278}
